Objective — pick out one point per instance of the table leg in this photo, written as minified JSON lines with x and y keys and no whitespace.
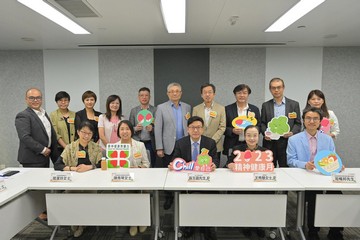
{"x":156,"y":213}
{"x":300,"y":213}
{"x":176,"y":214}
{"x":54,"y":232}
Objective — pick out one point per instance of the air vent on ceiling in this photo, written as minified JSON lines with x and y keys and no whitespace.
{"x":78,"y":8}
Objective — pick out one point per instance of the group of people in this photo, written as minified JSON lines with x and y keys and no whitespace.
{"x":77,"y":141}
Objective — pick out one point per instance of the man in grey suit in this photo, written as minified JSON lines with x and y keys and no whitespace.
{"x":144,"y":134}
{"x":170,"y":125}
{"x":279,"y":106}
{"x":36,"y":134}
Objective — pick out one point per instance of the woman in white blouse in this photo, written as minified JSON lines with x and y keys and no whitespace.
{"x":109,"y":121}
{"x":316,"y":98}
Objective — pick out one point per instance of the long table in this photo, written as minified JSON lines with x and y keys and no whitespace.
{"x":222,"y":209}
{"x":100,"y":207}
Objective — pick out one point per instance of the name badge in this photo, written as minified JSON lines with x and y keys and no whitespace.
{"x":71,"y":120}
{"x":198,"y":177}
{"x":122,"y":177}
{"x":265,"y":177}
{"x":81,"y":154}
{"x":2,"y":185}
{"x":213,"y":114}
{"x":61,"y":177}
{"x":137,"y":155}
{"x":343,"y":178}
{"x":96,"y":118}
{"x":292,"y":115}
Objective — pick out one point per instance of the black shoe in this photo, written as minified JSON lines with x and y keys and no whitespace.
{"x":247,"y":232}
{"x":209,"y":233}
{"x":335,"y":235}
{"x":260,"y":232}
{"x":168,"y":203}
{"x":313,"y":236}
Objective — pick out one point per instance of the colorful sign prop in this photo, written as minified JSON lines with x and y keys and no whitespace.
{"x":277,"y":127}
{"x":256,"y":161}
{"x":202,"y":163}
{"x":325,"y":125}
{"x":327,"y":162}
{"x":145,"y":117}
{"x":243,"y":121}
{"x":117,"y":155}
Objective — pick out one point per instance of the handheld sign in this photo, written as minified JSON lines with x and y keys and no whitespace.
{"x":202,"y":163}
{"x":256,"y":161}
{"x":145,"y":117}
{"x":325,"y":125}
{"x":327,"y":162}
{"x":118,"y":155}
{"x":277,"y":127}
{"x":243,"y":121}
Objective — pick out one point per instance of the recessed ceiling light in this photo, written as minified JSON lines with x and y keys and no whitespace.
{"x":54,"y":15}
{"x":174,"y":15}
{"x":27,"y":39}
{"x":294,"y":14}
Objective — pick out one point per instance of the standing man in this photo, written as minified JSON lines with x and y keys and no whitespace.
{"x":235,"y":136}
{"x":301,"y":152}
{"x":213,"y":115}
{"x":170,"y":125}
{"x":144,"y":134}
{"x":36,"y":134}
{"x":276,"y":107}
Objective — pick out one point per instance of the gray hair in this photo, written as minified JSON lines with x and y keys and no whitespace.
{"x":174,"y":84}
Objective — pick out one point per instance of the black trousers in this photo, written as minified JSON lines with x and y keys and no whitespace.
{"x":278,"y":147}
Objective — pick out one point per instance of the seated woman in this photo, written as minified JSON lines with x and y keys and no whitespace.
{"x":81,"y":155}
{"x":138,"y":157}
{"x":251,"y":134}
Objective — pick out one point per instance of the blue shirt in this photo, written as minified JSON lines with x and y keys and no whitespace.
{"x":178,"y":120}
{"x":279,"y":109}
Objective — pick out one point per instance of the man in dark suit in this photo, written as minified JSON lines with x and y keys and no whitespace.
{"x":235,"y":136}
{"x":187,"y":149}
{"x":36,"y":134}
{"x":276,"y":107}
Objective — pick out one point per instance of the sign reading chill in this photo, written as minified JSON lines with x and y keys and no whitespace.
{"x":117,"y":155}
{"x":256,"y":161}
{"x":202,"y":163}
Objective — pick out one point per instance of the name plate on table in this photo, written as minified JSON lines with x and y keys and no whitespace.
{"x":2,"y":186}
{"x":198,"y":177}
{"x":343,"y":178}
{"x":122,"y":177}
{"x":61,"y":177}
{"x":265,"y":177}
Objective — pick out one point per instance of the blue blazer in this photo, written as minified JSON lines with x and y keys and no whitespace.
{"x":298,"y":151}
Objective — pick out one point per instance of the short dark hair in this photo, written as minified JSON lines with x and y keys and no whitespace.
{"x":312,"y":109}
{"x":194,"y":119}
{"x":86,"y":124}
{"x":88,"y":94}
{"x":208,"y":85}
{"x":127,"y":122}
{"x":60,"y":95}
{"x":144,"y":89}
{"x":241,"y":87}
{"x":276,"y":79}
{"x":250,"y":127}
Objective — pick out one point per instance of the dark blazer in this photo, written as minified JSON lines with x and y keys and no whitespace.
{"x":33,"y":138}
{"x":81,"y":116}
{"x":231,"y":111}
{"x":183,"y":149}
{"x":267,"y":113}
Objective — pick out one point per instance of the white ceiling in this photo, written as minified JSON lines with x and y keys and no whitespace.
{"x":139,"y":22}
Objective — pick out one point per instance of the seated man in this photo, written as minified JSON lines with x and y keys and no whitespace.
{"x":188,"y":148}
{"x":301,"y":151}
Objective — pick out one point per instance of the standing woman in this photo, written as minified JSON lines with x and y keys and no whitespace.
{"x":138,"y":157}
{"x":88,"y":113}
{"x":63,"y":121}
{"x":316,"y":98}
{"x":109,"y":122}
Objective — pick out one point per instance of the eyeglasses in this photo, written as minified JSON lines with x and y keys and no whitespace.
{"x":173,"y":92}
{"x":195,"y":128}
{"x":276,"y":88}
{"x":86,"y":133}
{"x":32,"y":99}
{"x":315,"y":119}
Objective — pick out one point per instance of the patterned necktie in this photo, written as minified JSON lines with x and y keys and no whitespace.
{"x":195,"y":152}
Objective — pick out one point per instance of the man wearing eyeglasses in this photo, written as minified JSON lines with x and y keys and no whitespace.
{"x":276,"y":107}
{"x":36,"y":134}
{"x":301,"y":152}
